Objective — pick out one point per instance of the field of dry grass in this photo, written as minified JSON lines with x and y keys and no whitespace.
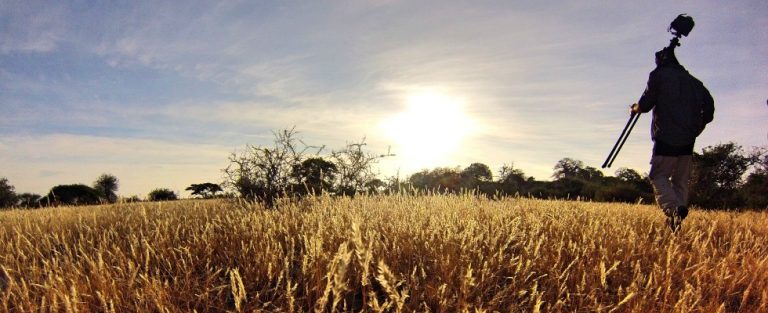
{"x":389,"y":253}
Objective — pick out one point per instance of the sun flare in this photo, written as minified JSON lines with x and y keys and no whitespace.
{"x":430,"y":130}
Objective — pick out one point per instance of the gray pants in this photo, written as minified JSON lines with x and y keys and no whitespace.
{"x":669,"y":176}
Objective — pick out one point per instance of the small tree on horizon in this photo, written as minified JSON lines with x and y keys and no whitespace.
{"x":205,"y":190}
{"x":106,"y":185}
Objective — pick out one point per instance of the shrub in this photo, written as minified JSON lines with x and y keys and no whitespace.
{"x":162,"y":194}
{"x":76,"y":194}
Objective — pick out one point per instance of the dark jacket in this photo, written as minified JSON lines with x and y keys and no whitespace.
{"x":681,"y":105}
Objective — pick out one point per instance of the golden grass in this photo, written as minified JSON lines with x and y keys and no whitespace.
{"x":388,"y":253}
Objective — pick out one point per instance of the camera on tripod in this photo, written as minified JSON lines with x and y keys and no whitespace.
{"x":681,"y":26}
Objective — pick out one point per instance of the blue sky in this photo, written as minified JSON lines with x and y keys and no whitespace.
{"x":159,"y":93}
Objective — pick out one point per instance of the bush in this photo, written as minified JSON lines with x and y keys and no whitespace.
{"x":28,"y":200}
{"x":162,"y":194}
{"x":76,"y":194}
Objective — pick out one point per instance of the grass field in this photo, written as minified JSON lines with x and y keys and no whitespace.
{"x":388,"y":253}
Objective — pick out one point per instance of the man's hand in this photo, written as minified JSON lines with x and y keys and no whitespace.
{"x":634,"y":108}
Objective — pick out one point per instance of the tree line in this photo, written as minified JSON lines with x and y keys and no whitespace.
{"x":103,"y":191}
{"x":724,"y":176}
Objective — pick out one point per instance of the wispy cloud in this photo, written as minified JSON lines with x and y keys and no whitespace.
{"x":31,"y":26}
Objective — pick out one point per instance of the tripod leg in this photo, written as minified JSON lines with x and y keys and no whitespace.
{"x":637,"y":117}
{"x":612,"y":155}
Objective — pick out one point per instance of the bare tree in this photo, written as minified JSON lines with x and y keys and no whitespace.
{"x":355,"y":167}
{"x":264,"y":173}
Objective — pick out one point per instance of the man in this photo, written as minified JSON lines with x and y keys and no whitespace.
{"x":682,"y":107}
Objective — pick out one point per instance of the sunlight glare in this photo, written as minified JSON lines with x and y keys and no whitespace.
{"x":430,"y":131}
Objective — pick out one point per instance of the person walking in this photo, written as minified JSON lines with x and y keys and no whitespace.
{"x":682,"y":107}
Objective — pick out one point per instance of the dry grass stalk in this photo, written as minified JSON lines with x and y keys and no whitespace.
{"x":381,"y":254}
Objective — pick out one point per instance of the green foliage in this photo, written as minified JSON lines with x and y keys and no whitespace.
{"x":7,"y":193}
{"x":162,"y":194}
{"x":75,"y":194}
{"x":314,"y":176}
{"x":717,"y":175}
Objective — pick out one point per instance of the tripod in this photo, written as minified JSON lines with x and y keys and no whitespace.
{"x":622,"y":139}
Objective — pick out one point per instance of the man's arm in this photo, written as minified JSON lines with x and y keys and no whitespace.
{"x":648,"y":99}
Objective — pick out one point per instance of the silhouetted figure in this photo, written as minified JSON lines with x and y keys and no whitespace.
{"x":682,"y":107}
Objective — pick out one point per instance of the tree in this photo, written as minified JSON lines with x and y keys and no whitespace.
{"x":475,"y":174}
{"x":205,"y":190}
{"x":717,"y":174}
{"x":7,"y":193}
{"x":628,"y":175}
{"x":755,"y":190}
{"x":568,"y":167}
{"x":106,"y":185}
{"x":375,"y":186}
{"x":75,"y":194}
{"x":28,"y":200}
{"x":355,"y":167}
{"x":511,"y":179}
{"x":443,"y":179}
{"x":264,"y":174}
{"x":162,"y":194}
{"x":314,"y":175}
{"x":590,"y":173}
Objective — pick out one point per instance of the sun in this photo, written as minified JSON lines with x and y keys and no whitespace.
{"x":430,"y":131}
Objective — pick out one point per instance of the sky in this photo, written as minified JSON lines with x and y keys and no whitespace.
{"x":160,"y":93}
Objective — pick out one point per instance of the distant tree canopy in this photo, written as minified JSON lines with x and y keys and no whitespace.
{"x":162,"y":194}
{"x":76,"y":194}
{"x":574,"y":180}
{"x":106,"y":185}
{"x":28,"y":200}
{"x":7,"y":193}
{"x":441,"y":179}
{"x":718,"y":176}
{"x":205,"y":190}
